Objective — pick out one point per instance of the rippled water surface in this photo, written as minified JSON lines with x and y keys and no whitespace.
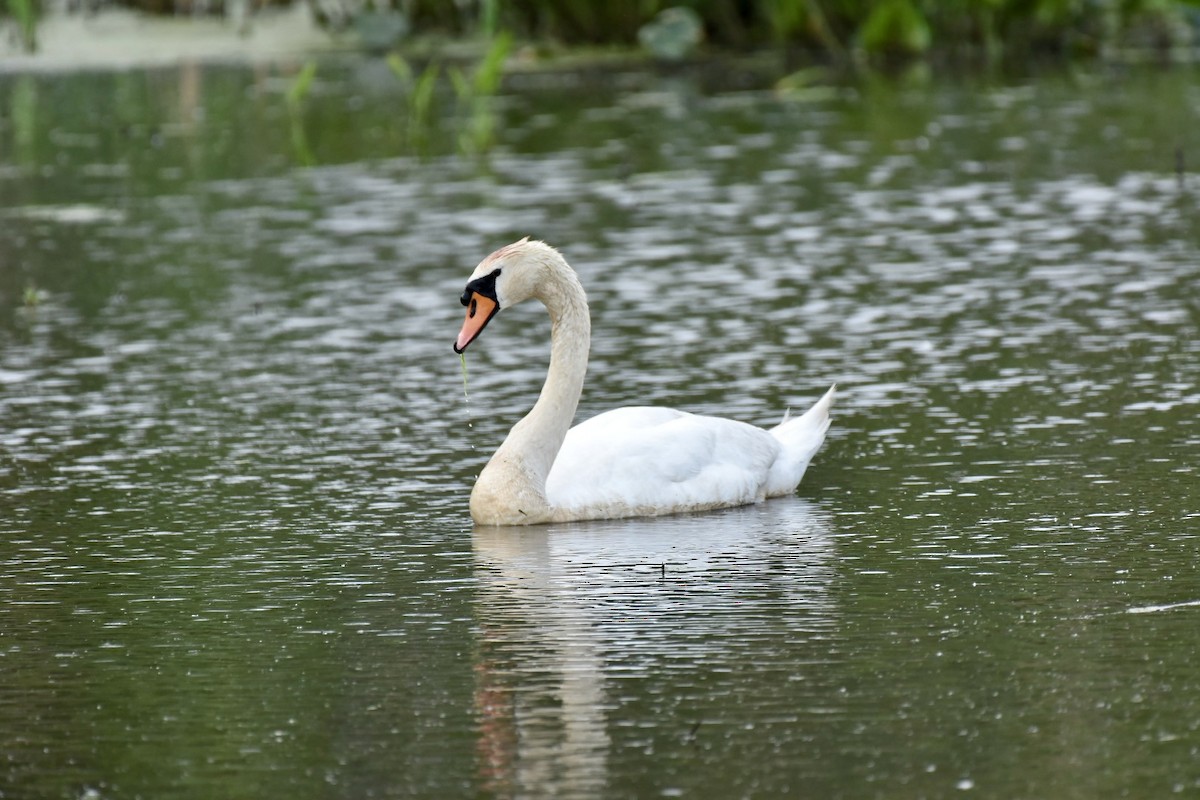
{"x":235,"y":450}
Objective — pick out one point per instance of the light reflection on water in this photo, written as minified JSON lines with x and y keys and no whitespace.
{"x":575,"y":620}
{"x":236,"y":455}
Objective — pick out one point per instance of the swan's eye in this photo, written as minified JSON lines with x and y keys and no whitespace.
{"x":474,"y":305}
{"x":485,"y":286}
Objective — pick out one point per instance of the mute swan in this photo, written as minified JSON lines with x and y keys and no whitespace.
{"x":633,"y":461}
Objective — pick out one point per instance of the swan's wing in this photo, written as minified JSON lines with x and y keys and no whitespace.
{"x":648,"y":460}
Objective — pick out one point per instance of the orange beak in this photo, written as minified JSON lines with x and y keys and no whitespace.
{"x":480,"y":310}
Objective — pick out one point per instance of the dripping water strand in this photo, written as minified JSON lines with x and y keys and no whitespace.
{"x":466,"y":397}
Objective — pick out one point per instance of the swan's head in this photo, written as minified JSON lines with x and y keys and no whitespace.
{"x":506,"y":277}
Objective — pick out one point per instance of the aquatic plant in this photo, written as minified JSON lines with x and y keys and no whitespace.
{"x":475,"y":92}
{"x":485,"y":78}
{"x":301,"y":84}
{"x":419,"y":91}
{"x":806,"y":85}
{"x":24,"y":109}
{"x":33,"y":296}
{"x":297,"y":91}
{"x":895,"y":25}
{"x":474,"y":89}
{"x":25,"y":13}
{"x":490,"y":19}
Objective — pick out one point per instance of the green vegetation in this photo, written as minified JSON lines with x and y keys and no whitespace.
{"x":473,"y":89}
{"x":477,"y":119}
{"x":419,"y":91}
{"x":301,"y":85}
{"x":297,"y":92}
{"x":25,"y":14}
{"x":839,"y":27}
{"x":33,"y":296}
{"x":808,"y":42}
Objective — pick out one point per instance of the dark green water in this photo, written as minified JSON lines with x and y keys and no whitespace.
{"x":235,"y":554}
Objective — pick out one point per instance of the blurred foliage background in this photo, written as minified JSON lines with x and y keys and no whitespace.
{"x":883,"y":26}
{"x":836,"y":29}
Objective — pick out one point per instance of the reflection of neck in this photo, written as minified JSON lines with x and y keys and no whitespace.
{"x":547,"y":737}
{"x":519,"y":468}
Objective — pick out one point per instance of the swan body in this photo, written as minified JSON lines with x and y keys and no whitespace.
{"x":632,"y":461}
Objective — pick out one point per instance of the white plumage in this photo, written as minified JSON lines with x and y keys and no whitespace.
{"x":632,"y":461}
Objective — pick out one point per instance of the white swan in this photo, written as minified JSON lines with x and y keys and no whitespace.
{"x":634,"y":461}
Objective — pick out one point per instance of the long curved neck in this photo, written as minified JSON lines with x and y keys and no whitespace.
{"x":512,"y":487}
{"x":543,"y":429}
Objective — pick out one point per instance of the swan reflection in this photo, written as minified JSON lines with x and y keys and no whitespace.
{"x":568,"y":613}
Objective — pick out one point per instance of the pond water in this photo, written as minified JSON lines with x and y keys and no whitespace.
{"x":235,"y":450}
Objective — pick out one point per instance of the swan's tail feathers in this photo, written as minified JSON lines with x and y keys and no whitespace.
{"x":801,"y":438}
